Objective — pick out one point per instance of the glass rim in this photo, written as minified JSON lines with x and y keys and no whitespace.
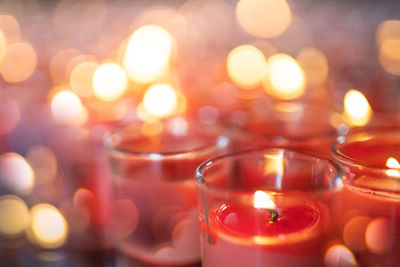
{"x":112,"y":147}
{"x":326,"y":133}
{"x":333,"y":183}
{"x":348,"y":160}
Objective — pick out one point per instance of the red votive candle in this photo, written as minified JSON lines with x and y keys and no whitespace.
{"x":370,"y":223}
{"x":291,"y":125}
{"x":272,"y":207}
{"x":154,"y":205}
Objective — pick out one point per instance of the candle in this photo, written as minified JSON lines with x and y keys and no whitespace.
{"x":370,"y":224}
{"x":254,"y":212}
{"x":153,"y":208}
{"x":291,"y":125}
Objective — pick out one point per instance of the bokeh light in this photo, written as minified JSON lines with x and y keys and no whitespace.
{"x":394,"y":164}
{"x":14,"y":216}
{"x":43,"y":162}
{"x":263,"y":18}
{"x":3,"y":45}
{"x":339,"y":255}
{"x":246,"y":66}
{"x":109,"y":82}
{"x":67,"y":109}
{"x":16,"y":174}
{"x":357,"y":111}
{"x":388,"y":42}
{"x":314,"y":64}
{"x":18,"y":63}
{"x":388,"y":29}
{"x":10,"y":27}
{"x":48,"y":228}
{"x":59,"y":63}
{"x":160,"y":100}
{"x":81,"y":78}
{"x":285,"y":78}
{"x":380,"y":236}
{"x":148,"y":53}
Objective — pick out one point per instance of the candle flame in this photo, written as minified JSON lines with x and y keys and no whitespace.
{"x":246,"y":66}
{"x":109,"y":82}
{"x":285,"y":78}
{"x":393,"y":163}
{"x":160,"y":100}
{"x":148,"y":53}
{"x":263,"y":201}
{"x":357,"y":109}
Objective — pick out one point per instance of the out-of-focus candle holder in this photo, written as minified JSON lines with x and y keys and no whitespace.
{"x":271,"y":207}
{"x":370,"y":224}
{"x":291,"y":125}
{"x":154,"y":206}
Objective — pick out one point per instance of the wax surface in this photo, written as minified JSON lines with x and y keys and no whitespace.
{"x":245,"y":220}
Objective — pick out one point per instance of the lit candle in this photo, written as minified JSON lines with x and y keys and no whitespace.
{"x":370,"y":224}
{"x":281,"y":226}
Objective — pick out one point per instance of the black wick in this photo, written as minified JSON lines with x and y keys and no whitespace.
{"x":274,"y":215}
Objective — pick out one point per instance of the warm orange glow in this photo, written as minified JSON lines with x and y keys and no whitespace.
{"x":17,"y":174}
{"x":10,"y":27}
{"x":263,"y":201}
{"x":388,"y":29}
{"x":390,"y":48}
{"x":388,"y":42}
{"x":14,"y":216}
{"x":394,"y":164}
{"x":160,"y":100}
{"x":152,"y":128}
{"x":339,"y":255}
{"x":59,"y":63}
{"x":81,"y":78}
{"x":48,"y":227}
{"x":147,"y":53}
{"x":109,"y":82}
{"x":3,"y":45}
{"x":43,"y":162}
{"x":263,"y":18}
{"x":67,"y":108}
{"x":380,"y":236}
{"x":357,"y":110}
{"x":18,"y":63}
{"x":285,"y":78}
{"x":274,"y":164}
{"x":314,"y":64}
{"x":246,"y":66}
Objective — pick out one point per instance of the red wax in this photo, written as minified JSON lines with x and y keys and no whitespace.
{"x":244,"y":221}
{"x":380,"y":242}
{"x":370,"y":221}
{"x":241,"y":235}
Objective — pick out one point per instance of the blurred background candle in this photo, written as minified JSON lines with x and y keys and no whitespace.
{"x":153,"y":208}
{"x":370,"y":223}
{"x":293,"y":125}
{"x":267,"y":207}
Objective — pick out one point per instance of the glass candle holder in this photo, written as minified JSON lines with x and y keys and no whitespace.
{"x":291,"y":125}
{"x":272,"y":207}
{"x":154,"y":208}
{"x":370,"y":224}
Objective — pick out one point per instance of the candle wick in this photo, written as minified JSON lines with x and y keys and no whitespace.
{"x":274,"y":215}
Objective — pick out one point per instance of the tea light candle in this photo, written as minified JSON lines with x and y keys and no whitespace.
{"x":282,"y":226}
{"x":371,"y":192}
